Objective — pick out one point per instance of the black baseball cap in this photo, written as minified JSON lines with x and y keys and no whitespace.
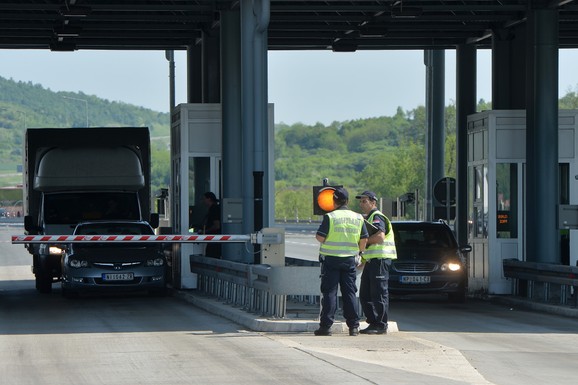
{"x":367,"y":194}
{"x":340,"y":194}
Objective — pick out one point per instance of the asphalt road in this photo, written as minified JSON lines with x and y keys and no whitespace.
{"x":135,"y":339}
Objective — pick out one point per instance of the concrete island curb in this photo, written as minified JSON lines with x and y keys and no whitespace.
{"x":258,"y":323}
{"x":566,"y":311}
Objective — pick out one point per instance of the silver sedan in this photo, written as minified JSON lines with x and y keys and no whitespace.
{"x":106,"y":267}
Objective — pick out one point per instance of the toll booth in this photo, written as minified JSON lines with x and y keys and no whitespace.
{"x":196,"y":167}
{"x":496,"y":180}
{"x":196,"y":148}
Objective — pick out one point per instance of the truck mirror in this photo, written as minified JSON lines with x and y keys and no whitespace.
{"x":154,"y":220}
{"x":29,"y":224}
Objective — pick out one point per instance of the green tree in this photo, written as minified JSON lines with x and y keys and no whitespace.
{"x":569,"y":101}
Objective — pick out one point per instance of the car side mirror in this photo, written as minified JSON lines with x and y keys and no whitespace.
{"x":154,"y":220}
{"x":466,"y":249}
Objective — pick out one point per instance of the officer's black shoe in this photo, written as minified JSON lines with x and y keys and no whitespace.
{"x":323,"y":331}
{"x":353,"y":331}
{"x":371,"y":329}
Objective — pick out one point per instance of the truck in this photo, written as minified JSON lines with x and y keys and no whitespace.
{"x":73,"y":175}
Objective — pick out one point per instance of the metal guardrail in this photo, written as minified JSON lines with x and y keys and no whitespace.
{"x":544,"y":282}
{"x":260,"y":289}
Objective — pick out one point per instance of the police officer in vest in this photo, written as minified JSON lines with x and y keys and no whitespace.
{"x":342,"y":235}
{"x":380,"y":251}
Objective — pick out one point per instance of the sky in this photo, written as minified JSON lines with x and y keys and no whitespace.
{"x":305,"y":86}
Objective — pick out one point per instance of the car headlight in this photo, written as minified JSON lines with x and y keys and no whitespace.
{"x":55,"y":250}
{"x":77,"y":263}
{"x":155,"y":262}
{"x":451,"y":266}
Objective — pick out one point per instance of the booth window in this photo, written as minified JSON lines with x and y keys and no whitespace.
{"x":480,"y":204}
{"x":564,"y":181}
{"x":507,"y":200}
{"x":199,"y":183}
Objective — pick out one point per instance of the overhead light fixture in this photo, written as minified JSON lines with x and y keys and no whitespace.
{"x":406,"y":12}
{"x":66,"y":31}
{"x":75,"y":11}
{"x":372,"y":33}
{"x":60,"y":45}
{"x":344,"y":47}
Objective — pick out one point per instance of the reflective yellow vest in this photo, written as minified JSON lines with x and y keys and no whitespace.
{"x":385,"y":249}
{"x":343,"y":235}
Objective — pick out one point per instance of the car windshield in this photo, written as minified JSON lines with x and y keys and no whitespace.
{"x":423,"y":236}
{"x":65,"y":208}
{"x":116,"y":229}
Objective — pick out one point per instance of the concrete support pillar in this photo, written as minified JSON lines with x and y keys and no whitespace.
{"x":232,"y":156}
{"x":254,"y":24}
{"x":262,"y":15}
{"x":435,"y":133}
{"x":247,"y":114}
{"x":466,"y":102}
{"x":542,"y":188}
{"x":211,"y":61}
{"x":194,"y":74}
{"x":509,"y":69}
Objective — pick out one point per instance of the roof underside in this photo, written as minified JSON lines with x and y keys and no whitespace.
{"x":294,"y":25}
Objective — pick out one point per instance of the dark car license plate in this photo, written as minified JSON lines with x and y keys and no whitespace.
{"x":415,"y":279}
{"x":118,"y":276}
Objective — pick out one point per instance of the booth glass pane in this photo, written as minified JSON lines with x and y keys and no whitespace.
{"x":507,"y":200}
{"x":564,"y":180}
{"x":478,"y":183}
{"x":470,"y":202}
{"x":199,"y":183}
{"x":480,"y":225}
{"x":480,"y":201}
{"x":486,"y":195}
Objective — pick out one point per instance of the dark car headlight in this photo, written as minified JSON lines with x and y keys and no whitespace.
{"x":451,"y":266}
{"x":55,"y":250}
{"x":52,"y":249}
{"x":155,"y":262}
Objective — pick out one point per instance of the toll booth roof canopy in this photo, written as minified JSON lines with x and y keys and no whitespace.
{"x":293,"y":25}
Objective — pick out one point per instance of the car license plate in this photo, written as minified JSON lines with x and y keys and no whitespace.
{"x":118,"y":276}
{"x":415,"y":279}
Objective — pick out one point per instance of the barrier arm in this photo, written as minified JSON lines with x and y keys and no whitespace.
{"x":167,"y":238}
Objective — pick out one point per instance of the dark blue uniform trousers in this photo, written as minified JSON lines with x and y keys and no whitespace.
{"x":338,"y":271}
{"x":374,"y":291}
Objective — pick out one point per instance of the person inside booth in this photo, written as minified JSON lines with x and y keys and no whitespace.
{"x":212,"y":223}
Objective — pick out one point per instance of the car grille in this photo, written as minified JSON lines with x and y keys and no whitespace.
{"x":135,"y":281}
{"x":415,"y":267}
{"x":115,"y":266}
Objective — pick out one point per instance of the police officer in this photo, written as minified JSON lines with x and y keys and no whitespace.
{"x":342,"y":235}
{"x":377,"y":258}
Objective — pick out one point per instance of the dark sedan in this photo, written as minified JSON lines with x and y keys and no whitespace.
{"x":105,"y":267}
{"x":429,"y":260}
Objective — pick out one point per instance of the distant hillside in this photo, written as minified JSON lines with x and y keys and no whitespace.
{"x":383,"y":154}
{"x":24,"y":104}
{"x":31,"y":105}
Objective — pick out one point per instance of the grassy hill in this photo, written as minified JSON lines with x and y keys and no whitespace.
{"x":24,"y":104}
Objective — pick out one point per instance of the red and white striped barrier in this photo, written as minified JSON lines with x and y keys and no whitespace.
{"x":16,"y":239}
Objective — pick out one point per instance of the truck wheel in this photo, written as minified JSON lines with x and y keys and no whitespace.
{"x":43,"y":283}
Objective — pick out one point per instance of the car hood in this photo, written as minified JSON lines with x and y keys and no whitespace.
{"x":425,"y":254}
{"x":112,"y":254}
